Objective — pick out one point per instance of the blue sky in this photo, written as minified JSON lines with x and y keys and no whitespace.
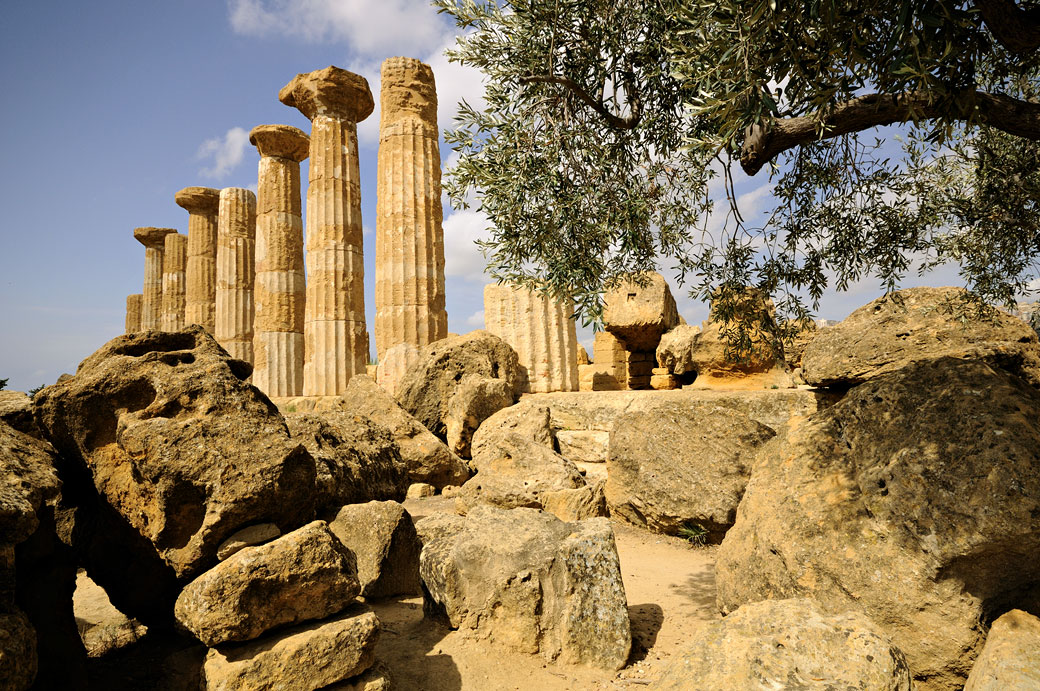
{"x":111,"y":107}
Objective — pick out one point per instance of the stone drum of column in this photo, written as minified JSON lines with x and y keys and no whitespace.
{"x":154,"y":243}
{"x":409,"y":234}
{"x":541,"y":331}
{"x":175,"y":258}
{"x":236,"y":247}
{"x":133,"y":313}
{"x":279,"y":289}
{"x":200,"y":302}
{"x":334,"y":333}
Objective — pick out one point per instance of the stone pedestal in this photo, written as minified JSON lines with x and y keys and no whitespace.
{"x":236,"y":248}
{"x":133,"y":312}
{"x":409,"y":235}
{"x":175,"y":259}
{"x":154,"y":243}
{"x":335,"y":337}
{"x":279,"y":288}
{"x":541,"y":332}
{"x":200,"y":275}
{"x":609,"y":368}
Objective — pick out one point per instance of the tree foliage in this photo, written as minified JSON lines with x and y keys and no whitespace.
{"x":613,"y":133}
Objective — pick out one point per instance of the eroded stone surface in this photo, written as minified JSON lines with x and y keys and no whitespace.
{"x":1011,"y":657}
{"x":639,"y":314}
{"x":382,"y":537}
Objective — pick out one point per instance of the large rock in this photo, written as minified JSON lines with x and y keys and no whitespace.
{"x":681,"y":465}
{"x":382,"y":537}
{"x":304,"y":658}
{"x":356,"y":460}
{"x":475,"y":400}
{"x":428,"y":386}
{"x":427,"y":457}
{"x":16,"y":411}
{"x":639,"y":314}
{"x":514,"y":425}
{"x":918,"y":324}
{"x":17,"y":651}
{"x":164,"y":427}
{"x":914,"y":499}
{"x":530,"y":582}
{"x":28,"y":479}
{"x":1011,"y":656}
{"x":788,"y":644}
{"x":307,"y":574}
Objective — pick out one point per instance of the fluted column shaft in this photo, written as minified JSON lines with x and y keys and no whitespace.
{"x":541,"y":331}
{"x":200,"y":301}
{"x":236,"y":247}
{"x":151,"y":300}
{"x":133,"y":313}
{"x":410,"y":302}
{"x":175,"y":257}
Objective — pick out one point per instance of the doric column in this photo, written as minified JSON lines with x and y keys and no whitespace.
{"x":154,"y":241}
{"x":201,"y":273}
{"x":236,"y":246}
{"x":279,"y":291}
{"x":133,"y":313}
{"x":175,"y":257}
{"x":335,"y":339}
{"x":409,"y":235}
{"x":541,"y":332}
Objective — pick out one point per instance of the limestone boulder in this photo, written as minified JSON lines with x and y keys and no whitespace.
{"x":527,"y":581}
{"x":584,"y":446}
{"x":248,"y":537}
{"x":383,"y":539}
{"x":356,"y":459}
{"x":307,"y":574}
{"x":787,"y":644}
{"x":638,"y":311}
{"x":428,"y":386}
{"x":28,"y":480}
{"x":475,"y":400}
{"x":16,"y":412}
{"x":427,"y":457}
{"x":164,"y":429}
{"x":514,"y":425}
{"x":304,"y":658}
{"x":682,"y":465}
{"x":587,"y":501}
{"x":913,"y":499}
{"x":1011,"y":657}
{"x":918,"y":324}
{"x":17,"y":651}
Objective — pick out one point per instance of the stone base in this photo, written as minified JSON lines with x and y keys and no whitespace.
{"x":307,"y":404}
{"x":773,"y":379}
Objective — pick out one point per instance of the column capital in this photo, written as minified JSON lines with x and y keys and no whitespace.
{"x":283,"y":141}
{"x":407,"y":89}
{"x":332,"y":91}
{"x":152,"y":238}
{"x":198,"y":200}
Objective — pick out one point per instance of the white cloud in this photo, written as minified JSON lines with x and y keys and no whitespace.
{"x":462,"y":258}
{"x":476,"y":320}
{"x":225,"y":153}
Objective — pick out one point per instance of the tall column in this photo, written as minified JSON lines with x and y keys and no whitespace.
{"x":334,"y":334}
{"x":175,"y":257}
{"x":133,"y":313}
{"x":409,"y":234}
{"x":279,"y":294}
{"x":236,"y":247}
{"x":201,"y":272}
{"x":154,"y":241}
{"x":542,"y":333}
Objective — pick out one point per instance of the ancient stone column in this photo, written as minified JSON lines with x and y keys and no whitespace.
{"x":154,"y":243}
{"x":541,"y":332}
{"x":279,"y":289}
{"x":236,"y":247}
{"x":175,"y":258}
{"x":334,"y":334}
{"x":409,"y":235}
{"x":133,"y":312}
{"x":201,"y":273}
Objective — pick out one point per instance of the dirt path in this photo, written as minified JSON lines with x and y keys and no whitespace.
{"x":670,"y":588}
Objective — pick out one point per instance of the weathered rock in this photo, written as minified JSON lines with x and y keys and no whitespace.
{"x":28,"y":478}
{"x":17,"y":651}
{"x":16,"y":412}
{"x":376,"y":678}
{"x":805,"y":330}
{"x":475,"y":400}
{"x":382,"y":537}
{"x":529,"y":582}
{"x":522,"y":421}
{"x":577,"y":504}
{"x":584,"y":446}
{"x":913,"y":499}
{"x":427,"y":457}
{"x":681,"y":465}
{"x":1011,"y":657}
{"x":307,"y":574}
{"x":164,"y":428}
{"x":428,"y":386}
{"x":421,"y":490}
{"x":356,"y":459}
{"x":639,"y":314}
{"x":913,"y":325}
{"x":304,"y":658}
{"x":788,"y":644}
{"x":247,"y":537}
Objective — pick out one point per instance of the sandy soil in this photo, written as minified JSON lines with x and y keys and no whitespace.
{"x":670,"y":588}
